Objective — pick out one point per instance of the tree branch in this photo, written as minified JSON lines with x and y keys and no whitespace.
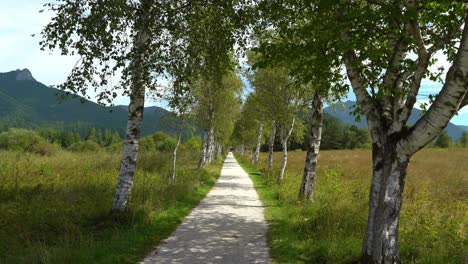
{"x":422,"y":64}
{"x":464,"y":102}
{"x":352,"y":66}
{"x":398,"y":47}
{"x":450,"y":99}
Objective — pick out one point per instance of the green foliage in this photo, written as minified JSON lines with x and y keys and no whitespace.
{"x":194,"y":142}
{"x":85,"y":146}
{"x":186,"y":37}
{"x":164,"y":142}
{"x":443,"y":140}
{"x":246,"y":126}
{"x":218,"y":104}
{"x":160,"y":141}
{"x":92,"y":135}
{"x":26,"y":141}
{"x":335,"y":135}
{"x":464,"y":140}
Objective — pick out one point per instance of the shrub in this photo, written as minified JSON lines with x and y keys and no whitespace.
{"x":146,"y":143}
{"x":115,"y":147}
{"x":84,"y":146}
{"x":158,"y":141}
{"x":164,"y":142}
{"x":26,"y":140}
{"x":194,"y":142}
{"x":44,"y":148}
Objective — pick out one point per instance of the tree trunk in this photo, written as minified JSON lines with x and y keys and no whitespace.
{"x":271,"y":144}
{"x":259,"y":143}
{"x":204,"y":151}
{"x":393,"y":142}
{"x":242,"y":150}
{"x":215,"y":149}
{"x":385,"y":200}
{"x":211,"y":145}
{"x":174,"y":157}
{"x":284,"y":142}
{"x":316,"y":123}
{"x":132,"y":134}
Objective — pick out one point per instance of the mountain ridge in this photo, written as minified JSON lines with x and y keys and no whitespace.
{"x":344,"y":114}
{"x":31,"y":103}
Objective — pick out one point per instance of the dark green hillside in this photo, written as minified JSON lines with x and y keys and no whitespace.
{"x":344,"y":114}
{"x":25,"y":102}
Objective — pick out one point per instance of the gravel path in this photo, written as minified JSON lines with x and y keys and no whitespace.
{"x":227,"y":226}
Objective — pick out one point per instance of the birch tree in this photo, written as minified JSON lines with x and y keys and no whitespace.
{"x":181,"y":104}
{"x":128,"y":39}
{"x":280,"y":100}
{"x":135,"y":39}
{"x":217,"y":107}
{"x":386,"y":78}
{"x":245,"y":131}
{"x":388,"y":48}
{"x":286,"y":39}
{"x":258,"y":144}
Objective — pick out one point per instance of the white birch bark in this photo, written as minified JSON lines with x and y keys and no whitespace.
{"x":316,"y":122}
{"x":203,"y":157}
{"x":394,"y":145}
{"x":174,"y":157}
{"x":132,"y":134}
{"x":284,"y":141}
{"x":271,"y":144}
{"x":258,"y":145}
{"x":210,"y":149}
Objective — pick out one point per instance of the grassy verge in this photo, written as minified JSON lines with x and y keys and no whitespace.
{"x":292,"y":232}
{"x":331,"y":228}
{"x":56,"y":209}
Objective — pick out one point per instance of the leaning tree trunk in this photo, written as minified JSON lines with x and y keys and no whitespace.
{"x":315,"y":137}
{"x":284,"y":142}
{"x":271,"y":144}
{"x":174,"y":156}
{"x":204,"y":151}
{"x":132,"y":134}
{"x":259,"y":143}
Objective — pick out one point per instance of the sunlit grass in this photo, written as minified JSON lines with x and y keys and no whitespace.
{"x":331,"y":229}
{"x":57,"y":209}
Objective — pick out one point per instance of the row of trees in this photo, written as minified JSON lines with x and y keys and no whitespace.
{"x":384,"y":49}
{"x":444,"y":141}
{"x":184,"y":47}
{"x":305,"y":52}
{"x":66,"y":139}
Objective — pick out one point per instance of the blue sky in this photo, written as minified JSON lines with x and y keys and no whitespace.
{"x":19,"y":19}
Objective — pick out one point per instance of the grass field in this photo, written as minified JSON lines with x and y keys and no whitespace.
{"x":57,"y":209}
{"x":434,"y":218}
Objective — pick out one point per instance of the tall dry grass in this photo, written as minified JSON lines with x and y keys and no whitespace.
{"x":57,"y":209}
{"x":434,"y":218}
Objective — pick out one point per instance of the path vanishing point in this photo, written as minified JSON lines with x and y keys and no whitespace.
{"x":228,"y":226}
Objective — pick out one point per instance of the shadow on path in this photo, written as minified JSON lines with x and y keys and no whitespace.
{"x":227,"y":226}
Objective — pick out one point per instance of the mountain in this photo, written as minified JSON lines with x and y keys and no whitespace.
{"x":344,"y":114}
{"x":26,"y":102}
{"x":465,"y":128}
